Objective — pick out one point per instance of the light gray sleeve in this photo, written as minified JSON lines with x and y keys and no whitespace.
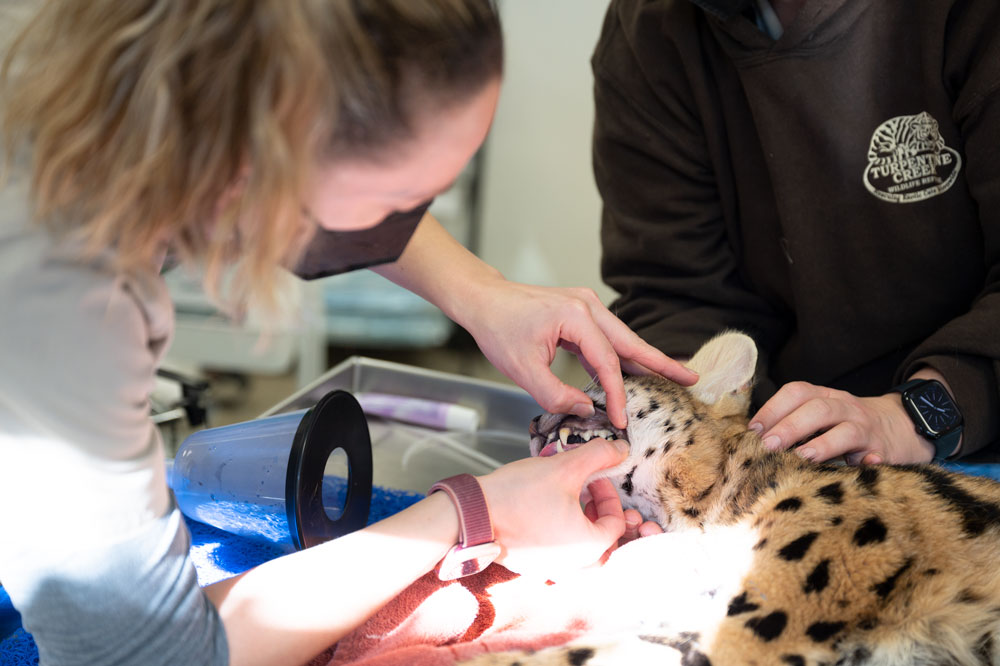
{"x":93,"y":551}
{"x":135,"y":602}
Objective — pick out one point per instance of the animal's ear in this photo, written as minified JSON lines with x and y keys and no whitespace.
{"x":725,"y":365}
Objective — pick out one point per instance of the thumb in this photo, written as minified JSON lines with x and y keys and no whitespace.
{"x":593,"y":456}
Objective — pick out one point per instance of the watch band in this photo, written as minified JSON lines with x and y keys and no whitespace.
{"x":944,"y":445}
{"x":476,"y":547}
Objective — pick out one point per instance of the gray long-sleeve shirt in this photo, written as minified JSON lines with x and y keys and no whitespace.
{"x":93,"y":551}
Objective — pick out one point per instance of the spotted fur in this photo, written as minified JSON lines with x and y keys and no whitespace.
{"x":832,"y":564}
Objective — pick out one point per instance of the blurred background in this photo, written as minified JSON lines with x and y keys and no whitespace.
{"x":527,"y":205}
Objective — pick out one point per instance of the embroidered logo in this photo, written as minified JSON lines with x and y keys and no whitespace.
{"x":908,"y":160}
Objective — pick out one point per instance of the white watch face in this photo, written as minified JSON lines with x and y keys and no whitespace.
{"x":461,"y":561}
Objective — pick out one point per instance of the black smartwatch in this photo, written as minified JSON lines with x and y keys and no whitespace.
{"x":934,"y":413}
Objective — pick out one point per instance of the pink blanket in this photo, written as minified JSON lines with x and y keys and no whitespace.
{"x":435,"y":623}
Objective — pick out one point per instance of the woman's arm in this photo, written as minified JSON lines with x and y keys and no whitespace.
{"x":519,"y":327}
{"x":290,"y":609}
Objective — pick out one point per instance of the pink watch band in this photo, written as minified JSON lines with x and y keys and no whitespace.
{"x":476,"y":548}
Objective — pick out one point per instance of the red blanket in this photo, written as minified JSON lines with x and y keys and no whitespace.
{"x":440,"y":623}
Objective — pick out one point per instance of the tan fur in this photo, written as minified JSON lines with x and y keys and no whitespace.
{"x":870,"y":565}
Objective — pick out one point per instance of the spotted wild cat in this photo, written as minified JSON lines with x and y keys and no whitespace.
{"x":778,"y":560}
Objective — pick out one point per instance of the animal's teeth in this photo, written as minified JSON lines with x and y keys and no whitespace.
{"x":587,"y":435}
{"x":563,"y":439}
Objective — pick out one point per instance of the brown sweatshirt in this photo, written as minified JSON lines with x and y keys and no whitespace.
{"x":835,"y":193}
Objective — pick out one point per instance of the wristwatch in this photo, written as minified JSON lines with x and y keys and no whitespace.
{"x":934,"y":413}
{"x":476,"y":547}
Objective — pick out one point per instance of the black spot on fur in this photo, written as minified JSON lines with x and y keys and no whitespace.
{"x":579,"y":656}
{"x":859,"y":657}
{"x":798,"y":548}
{"x":653,"y":405}
{"x":667,"y":426}
{"x":818,"y":578}
{"x":871,"y":531}
{"x":627,"y":483}
{"x":690,"y":440}
{"x":768,"y":627}
{"x":827,"y":468}
{"x":832,"y":493}
{"x":691,"y":512}
{"x":968,"y":597}
{"x":821,"y":631}
{"x":739,"y":604}
{"x":984,"y":649}
{"x":931,"y":572}
{"x":650,"y":451}
{"x":789,"y":504}
{"x":867,"y":478}
{"x":867,"y":623}
{"x":885,"y":588}
{"x":705,"y":493}
{"x":760,"y":544}
{"x":843,"y":603}
{"x":976,"y":514}
{"x":666,"y":446}
{"x":675,"y":482}
{"x":641,"y":414}
{"x":687,"y":424}
{"x":746,"y":463}
{"x":793,"y":660}
{"x":836,"y":520}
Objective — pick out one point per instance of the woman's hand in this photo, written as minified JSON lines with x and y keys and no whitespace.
{"x":535,"y":507}
{"x":519,"y":328}
{"x":864,"y":430}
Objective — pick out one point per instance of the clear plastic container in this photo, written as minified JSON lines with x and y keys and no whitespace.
{"x":264,"y":478}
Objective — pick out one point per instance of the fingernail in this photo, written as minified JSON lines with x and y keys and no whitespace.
{"x":756,"y":427}
{"x":621,"y":445}
{"x":624,"y":415}
{"x":583,"y":409}
{"x":808,"y":454}
{"x":772,"y":443}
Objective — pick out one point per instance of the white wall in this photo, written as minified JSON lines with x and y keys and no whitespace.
{"x":541,"y":211}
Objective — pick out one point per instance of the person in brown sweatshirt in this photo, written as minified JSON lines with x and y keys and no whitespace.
{"x":824,"y":175}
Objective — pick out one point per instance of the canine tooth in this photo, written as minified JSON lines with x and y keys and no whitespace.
{"x":563,"y":437}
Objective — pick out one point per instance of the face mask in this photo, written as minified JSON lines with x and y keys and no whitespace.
{"x":724,"y":8}
{"x":334,"y":252}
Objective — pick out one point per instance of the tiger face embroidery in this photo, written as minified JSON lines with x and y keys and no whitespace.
{"x":806,"y":564}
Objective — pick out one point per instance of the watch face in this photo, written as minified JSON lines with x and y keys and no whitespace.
{"x":932,"y":405}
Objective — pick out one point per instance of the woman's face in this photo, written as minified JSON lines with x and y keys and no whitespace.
{"x":354,"y":194}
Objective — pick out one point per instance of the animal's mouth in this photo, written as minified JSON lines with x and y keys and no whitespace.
{"x":556,"y":433}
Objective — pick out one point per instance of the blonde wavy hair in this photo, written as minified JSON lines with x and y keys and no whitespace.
{"x":198,"y":122}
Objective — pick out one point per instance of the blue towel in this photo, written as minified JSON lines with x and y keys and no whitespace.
{"x":217,"y":555}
